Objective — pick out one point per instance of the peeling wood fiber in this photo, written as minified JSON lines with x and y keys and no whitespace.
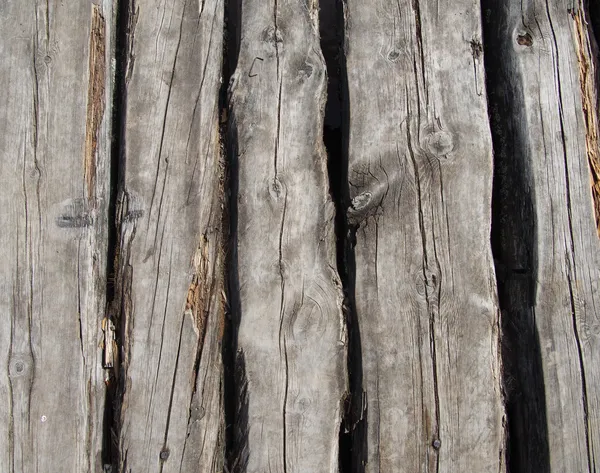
{"x":171,"y":265}
{"x":95,"y":105}
{"x":588,"y":76}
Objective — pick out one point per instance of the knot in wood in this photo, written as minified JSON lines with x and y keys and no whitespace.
{"x":275,"y":188}
{"x":359,"y":208}
{"x":431,"y":280}
{"x":164,"y":454}
{"x":272,"y":35}
{"x":305,"y":71}
{"x":439,"y":143}
{"x":361,"y":200}
{"x":420,"y":283}
{"x":18,"y":367}
{"x":524,"y":39}
{"x":393,"y":55}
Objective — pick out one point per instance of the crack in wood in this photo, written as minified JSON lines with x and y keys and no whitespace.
{"x":430,"y":279}
{"x":570,"y":252}
{"x":352,"y":449}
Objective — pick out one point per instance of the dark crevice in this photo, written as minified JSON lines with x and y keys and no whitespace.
{"x":110,"y":449}
{"x":111,"y":456}
{"x":332,"y":23}
{"x":593,"y":7}
{"x":513,"y":240}
{"x":234,"y":381}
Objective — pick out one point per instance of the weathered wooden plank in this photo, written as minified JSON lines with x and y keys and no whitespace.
{"x":56,"y":89}
{"x":420,"y":177}
{"x":546,"y":125}
{"x":291,"y":339}
{"x":171,"y":258}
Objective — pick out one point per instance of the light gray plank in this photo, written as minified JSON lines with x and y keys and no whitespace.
{"x":420,"y":177}
{"x":548,"y":78}
{"x":171,"y":256}
{"x":291,"y":343}
{"x":56,"y":89}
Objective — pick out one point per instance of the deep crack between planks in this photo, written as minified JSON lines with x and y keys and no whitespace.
{"x":352,"y":434}
{"x":118,"y":271}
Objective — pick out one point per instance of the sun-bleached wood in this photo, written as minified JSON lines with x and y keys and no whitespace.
{"x":471,"y":129}
{"x":56,"y":89}
{"x":420,"y":182}
{"x":291,"y":344}
{"x":171,"y":261}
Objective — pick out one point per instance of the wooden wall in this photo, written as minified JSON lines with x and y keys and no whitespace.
{"x":299,"y":236}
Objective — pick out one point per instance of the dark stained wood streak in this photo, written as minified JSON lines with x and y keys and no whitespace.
{"x":547,"y":74}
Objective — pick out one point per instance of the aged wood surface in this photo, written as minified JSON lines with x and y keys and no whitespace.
{"x":420,"y":177}
{"x":171,"y":261}
{"x":545,"y":117}
{"x":291,"y":357}
{"x":56,"y":89}
{"x":172,"y":376}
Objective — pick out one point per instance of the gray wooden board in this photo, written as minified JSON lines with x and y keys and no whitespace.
{"x":420,"y":177}
{"x":547,"y":61}
{"x":56,"y":89}
{"x":170,"y":254}
{"x":291,"y":343}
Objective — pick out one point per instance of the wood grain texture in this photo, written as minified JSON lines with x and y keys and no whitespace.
{"x":171,"y":250}
{"x":291,"y":343}
{"x":56,"y":88}
{"x":420,"y":177}
{"x":546,"y":85}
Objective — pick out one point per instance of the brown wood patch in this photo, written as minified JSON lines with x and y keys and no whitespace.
{"x":589,"y":101}
{"x":199,"y":292}
{"x":95,"y":104}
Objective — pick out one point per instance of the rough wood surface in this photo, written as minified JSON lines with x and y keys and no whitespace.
{"x":162,"y":380}
{"x":291,"y":357}
{"x":420,"y":177}
{"x":170,"y":255}
{"x":56,"y":87}
{"x":546,"y":123}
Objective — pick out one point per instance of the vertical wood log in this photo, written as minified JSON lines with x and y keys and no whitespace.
{"x":291,"y":339}
{"x":56,"y":89}
{"x":171,"y":256}
{"x":545,"y":99}
{"x":420,"y":177}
